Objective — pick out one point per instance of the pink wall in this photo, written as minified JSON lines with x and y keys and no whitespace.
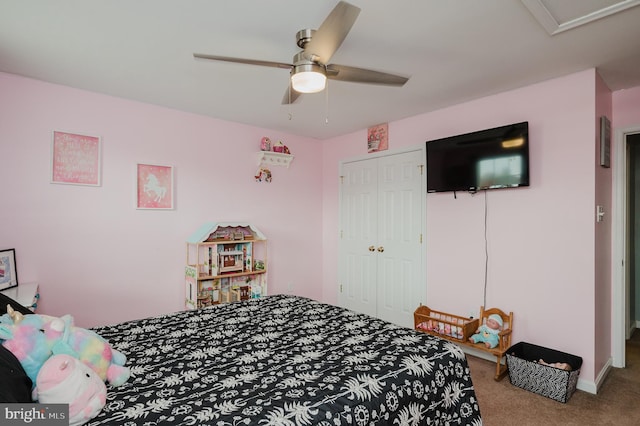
{"x":96,"y":256}
{"x":540,"y":238}
{"x":603,"y":230}
{"x":626,"y":104}
{"x":102,"y":260}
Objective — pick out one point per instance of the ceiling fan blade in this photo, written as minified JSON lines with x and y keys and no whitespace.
{"x":243,"y":61}
{"x":328,"y":38}
{"x":361,"y":75}
{"x":290,"y":95}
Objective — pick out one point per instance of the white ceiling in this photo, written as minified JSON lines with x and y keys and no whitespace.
{"x":453,"y":50}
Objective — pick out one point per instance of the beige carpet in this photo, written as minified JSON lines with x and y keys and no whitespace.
{"x":617,"y":402}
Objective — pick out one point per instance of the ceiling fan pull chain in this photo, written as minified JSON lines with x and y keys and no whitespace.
{"x":326,"y":104}
{"x":290,"y":112}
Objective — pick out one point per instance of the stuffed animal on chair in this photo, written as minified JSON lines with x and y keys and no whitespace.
{"x":64,"y":379}
{"x":488,"y":332}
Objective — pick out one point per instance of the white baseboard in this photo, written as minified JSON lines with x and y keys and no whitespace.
{"x":592,"y":387}
{"x":587,"y":386}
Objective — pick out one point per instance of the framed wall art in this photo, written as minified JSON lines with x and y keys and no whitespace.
{"x":605,"y":142}
{"x":378,"y":138}
{"x":154,"y":187}
{"x":8,"y":271}
{"x":75,"y":159}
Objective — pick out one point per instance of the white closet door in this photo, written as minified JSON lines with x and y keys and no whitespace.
{"x":359,"y":219}
{"x":400,"y":283}
{"x":383,"y":209}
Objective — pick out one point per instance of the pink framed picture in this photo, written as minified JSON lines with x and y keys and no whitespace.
{"x":154,"y":187}
{"x":378,"y":138}
{"x":75,"y":159}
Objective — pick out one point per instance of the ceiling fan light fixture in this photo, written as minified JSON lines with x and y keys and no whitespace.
{"x":308,"y":78}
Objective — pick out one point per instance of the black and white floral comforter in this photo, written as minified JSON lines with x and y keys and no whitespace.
{"x":285,"y":360}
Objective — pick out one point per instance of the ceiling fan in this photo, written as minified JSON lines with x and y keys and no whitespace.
{"x":310,"y":68}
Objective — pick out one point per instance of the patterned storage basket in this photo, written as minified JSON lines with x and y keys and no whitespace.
{"x":527,"y":372}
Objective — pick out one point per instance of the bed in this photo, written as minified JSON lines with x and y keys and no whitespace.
{"x":279,"y":360}
{"x":285,"y":360}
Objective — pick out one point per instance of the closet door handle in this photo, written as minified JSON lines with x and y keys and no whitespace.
{"x":372,"y":248}
{"x":380,"y":249}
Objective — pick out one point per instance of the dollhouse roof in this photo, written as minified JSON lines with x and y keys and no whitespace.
{"x":203,"y":232}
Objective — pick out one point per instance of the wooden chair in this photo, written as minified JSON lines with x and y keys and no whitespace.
{"x":504,"y":338}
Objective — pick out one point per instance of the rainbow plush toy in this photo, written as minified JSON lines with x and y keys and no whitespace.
{"x":34,"y":338}
{"x":26,"y":341}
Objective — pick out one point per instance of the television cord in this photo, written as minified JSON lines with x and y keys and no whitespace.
{"x":486,"y":251}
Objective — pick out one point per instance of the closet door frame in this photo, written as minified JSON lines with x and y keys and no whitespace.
{"x":342,"y":298}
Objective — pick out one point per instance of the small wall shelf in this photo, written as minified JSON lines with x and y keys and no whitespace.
{"x":270,"y":158}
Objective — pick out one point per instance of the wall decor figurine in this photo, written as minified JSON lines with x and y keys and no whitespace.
{"x":265,"y":144}
{"x":263,"y":174}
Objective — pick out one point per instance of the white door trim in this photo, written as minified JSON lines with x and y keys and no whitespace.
{"x":619,"y":243}
{"x":386,"y":153}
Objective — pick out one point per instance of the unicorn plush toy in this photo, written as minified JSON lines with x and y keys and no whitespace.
{"x":63,"y":379}
{"x":25,"y":340}
{"x":34,"y":338}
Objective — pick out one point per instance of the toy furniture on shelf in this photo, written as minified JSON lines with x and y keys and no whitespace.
{"x":458,"y":329}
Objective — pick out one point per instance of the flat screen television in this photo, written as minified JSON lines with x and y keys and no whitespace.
{"x":487,"y":159}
